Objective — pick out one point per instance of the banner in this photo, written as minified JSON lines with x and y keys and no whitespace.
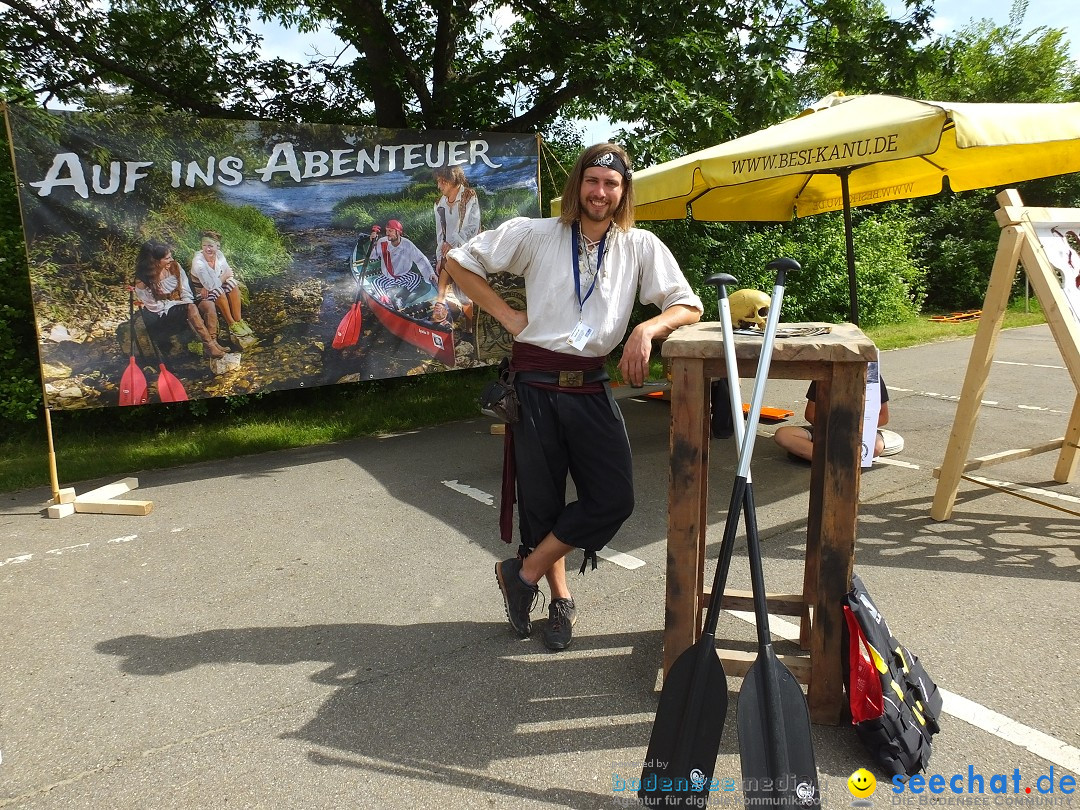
{"x":179,"y":258}
{"x":1061,"y":243}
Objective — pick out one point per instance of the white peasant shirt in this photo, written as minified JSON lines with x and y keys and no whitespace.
{"x":540,"y":251}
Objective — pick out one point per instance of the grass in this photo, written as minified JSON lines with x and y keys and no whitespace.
{"x":922,"y":330}
{"x":109,"y":442}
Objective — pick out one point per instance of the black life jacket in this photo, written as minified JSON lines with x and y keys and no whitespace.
{"x":896,"y":713}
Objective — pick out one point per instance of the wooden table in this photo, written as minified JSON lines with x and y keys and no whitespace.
{"x":837,"y":361}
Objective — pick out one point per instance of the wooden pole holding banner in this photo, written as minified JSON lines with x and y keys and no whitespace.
{"x":1019,"y":244}
{"x":64,"y":501}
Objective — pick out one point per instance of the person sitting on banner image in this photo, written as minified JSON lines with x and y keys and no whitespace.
{"x":799,"y":441}
{"x":407,"y":275}
{"x":162,"y":288}
{"x":457,"y":220}
{"x":212,"y":279}
{"x":582,"y":274}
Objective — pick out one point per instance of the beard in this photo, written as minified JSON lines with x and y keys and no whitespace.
{"x":596,"y":215}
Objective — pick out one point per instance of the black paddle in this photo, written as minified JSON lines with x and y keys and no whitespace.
{"x":690,"y":716}
{"x":776,"y":748}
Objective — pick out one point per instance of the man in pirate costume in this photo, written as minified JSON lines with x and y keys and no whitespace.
{"x":407,"y":274}
{"x":582,"y":274}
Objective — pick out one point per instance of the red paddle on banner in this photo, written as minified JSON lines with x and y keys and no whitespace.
{"x":133,"y":383}
{"x":169,"y":388}
{"x":348,"y":331}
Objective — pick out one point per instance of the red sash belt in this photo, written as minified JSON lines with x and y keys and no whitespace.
{"x":569,"y":374}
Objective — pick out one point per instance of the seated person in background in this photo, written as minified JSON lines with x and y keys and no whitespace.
{"x":407,"y":275}
{"x":212,"y":279}
{"x":162,"y":288}
{"x":799,"y":441}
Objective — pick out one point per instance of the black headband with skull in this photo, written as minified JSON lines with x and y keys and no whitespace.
{"x":610,"y":160}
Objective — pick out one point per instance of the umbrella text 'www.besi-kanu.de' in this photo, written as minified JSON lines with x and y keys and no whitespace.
{"x":862,"y":148}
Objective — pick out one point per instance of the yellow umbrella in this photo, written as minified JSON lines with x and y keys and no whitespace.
{"x":856,"y":150}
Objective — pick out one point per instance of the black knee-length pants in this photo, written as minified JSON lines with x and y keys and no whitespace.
{"x":582,"y":435}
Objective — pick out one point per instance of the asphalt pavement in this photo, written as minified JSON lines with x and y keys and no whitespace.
{"x":321,"y":628}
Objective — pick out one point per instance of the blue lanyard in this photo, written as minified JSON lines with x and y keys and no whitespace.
{"x":575,"y":230}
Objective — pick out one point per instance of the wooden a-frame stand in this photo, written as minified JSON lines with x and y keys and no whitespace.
{"x":1019,"y":243}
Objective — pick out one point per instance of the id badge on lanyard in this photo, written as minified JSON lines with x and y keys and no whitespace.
{"x":582,"y":332}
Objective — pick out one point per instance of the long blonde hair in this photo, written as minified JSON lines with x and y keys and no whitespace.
{"x":571,"y":196}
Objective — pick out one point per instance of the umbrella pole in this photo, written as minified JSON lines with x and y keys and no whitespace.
{"x":853,"y":297}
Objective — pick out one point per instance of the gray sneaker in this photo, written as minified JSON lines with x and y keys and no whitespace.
{"x":518,"y":598}
{"x":558,"y":631}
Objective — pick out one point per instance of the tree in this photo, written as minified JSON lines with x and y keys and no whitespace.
{"x":690,"y":72}
{"x":858,"y":48}
{"x":984,"y":62}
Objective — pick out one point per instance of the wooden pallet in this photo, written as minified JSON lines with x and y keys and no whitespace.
{"x":958,"y":317}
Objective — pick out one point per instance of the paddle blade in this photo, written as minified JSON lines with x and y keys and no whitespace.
{"x":133,"y":385}
{"x":169,"y":388}
{"x":686,"y":733}
{"x":777,"y":750}
{"x":348,"y":331}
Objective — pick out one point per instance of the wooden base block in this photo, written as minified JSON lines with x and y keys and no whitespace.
{"x":61,"y":510}
{"x":109,"y":490}
{"x":100,"y":501}
{"x":113,"y":507}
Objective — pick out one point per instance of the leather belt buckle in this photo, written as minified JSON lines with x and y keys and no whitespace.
{"x":571,"y":379}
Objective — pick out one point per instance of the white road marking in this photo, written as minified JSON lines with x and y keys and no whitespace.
{"x":472,"y":492}
{"x":895,"y":462}
{"x":573,"y":653}
{"x":956,"y":397}
{"x":59,"y":551}
{"x":611,"y":555}
{"x":617,"y":557}
{"x":1031,"y":365}
{"x":1043,"y":493}
{"x":1037,"y":742}
{"x":592,"y":721}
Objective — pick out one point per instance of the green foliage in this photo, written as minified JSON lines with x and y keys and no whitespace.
{"x":115,"y":441}
{"x":984,"y":62}
{"x":855,"y":46}
{"x":415,"y":211}
{"x":20,"y":383}
{"x":249,"y":239}
{"x":890,"y":284}
{"x":958,"y":245}
{"x":688,"y":75}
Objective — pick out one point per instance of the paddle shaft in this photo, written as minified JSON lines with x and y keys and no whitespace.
{"x":373,"y":237}
{"x":706,"y":642}
{"x":131,"y":319}
{"x":744,"y":435}
{"x":766,"y":672}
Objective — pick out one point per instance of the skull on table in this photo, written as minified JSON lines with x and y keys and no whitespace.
{"x":749,"y":308}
